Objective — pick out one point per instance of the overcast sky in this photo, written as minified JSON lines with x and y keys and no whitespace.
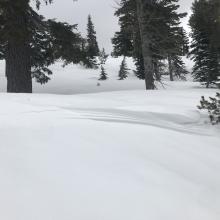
{"x":102,"y":12}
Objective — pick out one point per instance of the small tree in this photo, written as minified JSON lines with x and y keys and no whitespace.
{"x":103,"y":57}
{"x":123,"y":72}
{"x":103,"y":75}
{"x":213,"y":107}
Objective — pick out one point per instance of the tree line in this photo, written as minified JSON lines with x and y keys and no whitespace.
{"x":150,"y":32}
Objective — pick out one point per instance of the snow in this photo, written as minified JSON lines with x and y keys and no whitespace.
{"x":75,"y":150}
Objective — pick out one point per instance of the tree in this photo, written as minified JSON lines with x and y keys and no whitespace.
{"x":103,"y":57}
{"x":29,"y":44}
{"x":205,"y":25}
{"x":92,"y":48}
{"x":102,"y":60}
{"x":127,"y":41}
{"x":167,"y":38}
{"x":123,"y":72}
{"x":123,"y":39}
{"x":150,"y":33}
{"x":103,"y":75}
{"x":213,"y":107}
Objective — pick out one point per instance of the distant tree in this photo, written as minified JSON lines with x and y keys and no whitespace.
{"x":102,"y":60}
{"x":123,"y":72}
{"x":102,"y":57}
{"x":127,"y":42}
{"x":103,"y":74}
{"x":177,"y":47}
{"x":92,"y":48}
{"x":205,"y":25}
{"x":123,"y":39}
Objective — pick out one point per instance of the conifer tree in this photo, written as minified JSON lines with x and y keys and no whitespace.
{"x":127,"y":41}
{"x":103,"y":74}
{"x":92,"y":48}
{"x":123,"y":39}
{"x":205,"y":24}
{"x":213,"y":107}
{"x":103,"y":57}
{"x":152,"y":30}
{"x":102,"y":60}
{"x":162,"y":34}
{"x":123,"y":72}
{"x":29,"y":44}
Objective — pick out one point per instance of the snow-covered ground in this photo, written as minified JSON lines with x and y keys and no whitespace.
{"x":109,"y":152}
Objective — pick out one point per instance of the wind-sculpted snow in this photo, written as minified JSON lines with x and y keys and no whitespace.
{"x":131,"y":155}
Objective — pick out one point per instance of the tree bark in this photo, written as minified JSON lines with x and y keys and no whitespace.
{"x":18,"y":68}
{"x":18,"y":57}
{"x":146,"y":50}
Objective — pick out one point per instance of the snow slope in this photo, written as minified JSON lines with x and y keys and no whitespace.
{"x":113,"y":155}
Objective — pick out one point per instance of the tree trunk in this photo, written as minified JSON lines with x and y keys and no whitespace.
{"x":18,"y":57}
{"x":146,"y":51}
{"x":18,"y":68}
{"x":170,"y":69}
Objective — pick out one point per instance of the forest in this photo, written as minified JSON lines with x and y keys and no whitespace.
{"x":116,"y":128}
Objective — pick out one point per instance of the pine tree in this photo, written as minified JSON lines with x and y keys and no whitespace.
{"x":103,"y":57}
{"x":178,"y":47}
{"x":205,"y":24}
{"x":29,"y":44}
{"x":103,"y":74}
{"x":123,"y":39}
{"x":123,"y":72}
{"x":150,"y":33}
{"x":167,"y":38}
{"x":92,"y":48}
{"x":127,"y":41}
{"x":213,"y":107}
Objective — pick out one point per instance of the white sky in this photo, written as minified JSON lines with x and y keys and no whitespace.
{"x":102,"y":12}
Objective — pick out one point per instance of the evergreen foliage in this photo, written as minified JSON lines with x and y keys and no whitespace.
{"x":29,"y":43}
{"x":139,"y":63}
{"x":178,"y":68}
{"x":91,"y":48}
{"x":213,"y":107}
{"x":127,"y":42}
{"x":205,"y":25}
{"x":123,"y":39}
{"x":166,"y":38}
{"x":123,"y":72}
{"x":103,"y":74}
{"x":102,"y":60}
{"x":103,"y":57}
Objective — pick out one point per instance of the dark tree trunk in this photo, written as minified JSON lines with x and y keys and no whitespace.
{"x":18,"y":57}
{"x":18,"y":68}
{"x":146,"y":50}
{"x":170,"y":69}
